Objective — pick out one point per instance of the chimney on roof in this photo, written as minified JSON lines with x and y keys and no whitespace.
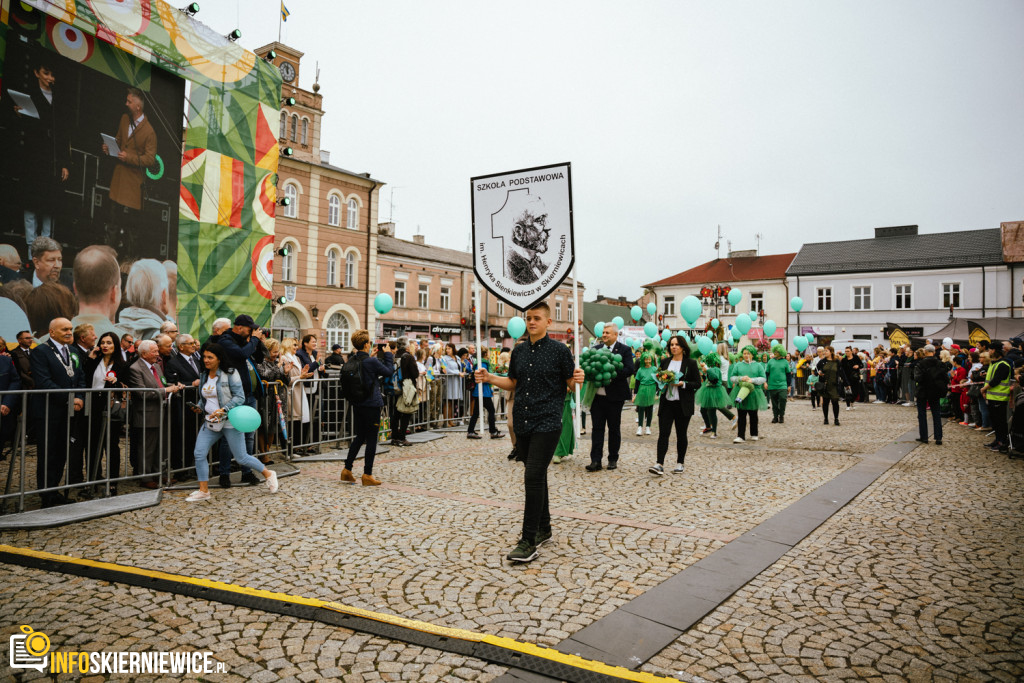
{"x":896,"y":231}
{"x":418,"y":239}
{"x":742,"y":253}
{"x":387,"y":229}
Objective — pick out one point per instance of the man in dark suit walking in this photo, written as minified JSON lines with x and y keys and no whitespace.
{"x":146,"y":413}
{"x":55,"y":365}
{"x":10,"y":404}
{"x":183,"y":368}
{"x":20,"y":356}
{"x":607,"y":406}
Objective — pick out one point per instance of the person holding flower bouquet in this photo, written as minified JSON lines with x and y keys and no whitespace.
{"x":680,"y":377}
{"x":747,"y":378}
{"x":105,"y":369}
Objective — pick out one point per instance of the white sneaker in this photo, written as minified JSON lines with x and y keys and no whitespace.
{"x":648,"y":432}
{"x":656,"y":469}
{"x":753,"y":438}
{"x":272,"y":484}
{"x":847,"y":407}
{"x":197,"y":496}
{"x":678,"y":469}
{"x":714,"y":436}
{"x":639,"y":431}
{"x":738,"y":440}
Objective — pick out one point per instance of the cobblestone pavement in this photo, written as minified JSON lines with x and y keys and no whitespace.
{"x":919,"y":579}
{"x":85,"y":615}
{"x":430,"y":543}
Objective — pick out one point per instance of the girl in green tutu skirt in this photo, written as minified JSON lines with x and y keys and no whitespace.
{"x":712,"y":395}
{"x":646,"y":392}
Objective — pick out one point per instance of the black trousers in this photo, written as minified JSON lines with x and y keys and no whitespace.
{"x":538,"y":448}
{"x":367,"y":426}
{"x":671,"y":413}
{"x":741,"y":424}
{"x":825,"y":401}
{"x":401,"y":428}
{"x":605,"y":412}
{"x":489,"y":407}
{"x":997,"y":414}
{"x":52,"y":450}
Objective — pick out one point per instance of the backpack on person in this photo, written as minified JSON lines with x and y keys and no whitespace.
{"x":353,"y":389}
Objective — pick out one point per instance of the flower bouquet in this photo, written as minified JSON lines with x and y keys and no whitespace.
{"x":665,"y":378}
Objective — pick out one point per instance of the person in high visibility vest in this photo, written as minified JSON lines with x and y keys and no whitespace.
{"x":997,"y":391}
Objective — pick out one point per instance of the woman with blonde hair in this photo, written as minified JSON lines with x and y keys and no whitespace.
{"x":298,"y":406}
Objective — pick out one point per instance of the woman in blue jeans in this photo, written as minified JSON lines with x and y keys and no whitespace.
{"x":221,"y":390}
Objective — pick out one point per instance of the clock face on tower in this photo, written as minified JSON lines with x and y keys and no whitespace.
{"x":287,"y":71}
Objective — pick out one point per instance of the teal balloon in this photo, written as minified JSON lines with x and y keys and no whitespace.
{"x":715,"y":324}
{"x":618,"y":322}
{"x":800,"y":343}
{"x":598,"y":330}
{"x":753,"y":316}
{"x":742,"y":324}
{"x":736,"y":334}
{"x":651,"y":330}
{"x":244,"y":418}
{"x":664,"y":344}
{"x":735,"y":296}
{"x":809,"y":337}
{"x":382,"y":303}
{"x":516,"y":327}
{"x":651,"y":308}
{"x":666,"y":335}
{"x":636,"y":313}
{"x":691,"y":309}
{"x":796,"y":303}
{"x":704,"y":345}
{"x":769,"y":327}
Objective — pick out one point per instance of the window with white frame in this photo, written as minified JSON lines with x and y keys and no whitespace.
{"x":558,"y":310}
{"x":902,"y":298}
{"x":305,"y":131}
{"x":824,"y":299}
{"x":501,"y":309}
{"x":862,"y":298}
{"x":353,"y":214}
{"x":669,"y":305}
{"x":338,"y":330}
{"x":292,"y":193}
{"x":332,"y":268}
{"x":400,"y":294}
{"x":288,"y":264}
{"x":333,"y":210}
{"x":951,"y":294}
{"x":568,"y":314}
{"x":446,"y":298}
{"x":757,"y":301}
{"x":424,"y":295}
{"x":350,"y":270}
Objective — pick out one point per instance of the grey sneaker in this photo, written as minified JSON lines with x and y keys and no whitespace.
{"x":656,"y":469}
{"x":678,"y":469}
{"x":542,"y":538}
{"x":524,"y":552}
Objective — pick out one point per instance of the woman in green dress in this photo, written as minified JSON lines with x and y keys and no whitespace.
{"x":712,"y":396}
{"x":747,"y":378}
{"x":646,"y":392}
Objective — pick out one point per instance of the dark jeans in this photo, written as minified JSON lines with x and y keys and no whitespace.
{"x":605,"y":412}
{"x":52,"y":449}
{"x":741,"y":424}
{"x":997,"y":414}
{"x":835,"y":408}
{"x":367,"y":426}
{"x":99,"y":437}
{"x":857,"y":392}
{"x":401,"y":425}
{"x":923,"y":404}
{"x":671,"y":413}
{"x":538,"y":448}
{"x":880,"y":392}
{"x":225,"y":451}
{"x":710,"y":419}
{"x":778,"y":398}
{"x":644,"y":412}
{"x":489,"y":407}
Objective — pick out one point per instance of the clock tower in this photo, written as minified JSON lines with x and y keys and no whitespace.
{"x":300,"y":122}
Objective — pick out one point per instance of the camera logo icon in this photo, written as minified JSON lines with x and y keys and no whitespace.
{"x":30,"y":650}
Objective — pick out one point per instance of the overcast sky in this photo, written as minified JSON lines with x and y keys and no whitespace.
{"x":801,"y":121}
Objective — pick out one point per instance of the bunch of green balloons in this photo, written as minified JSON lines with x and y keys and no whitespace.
{"x":600,"y":365}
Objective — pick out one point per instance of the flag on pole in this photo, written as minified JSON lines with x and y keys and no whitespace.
{"x":284,"y":12}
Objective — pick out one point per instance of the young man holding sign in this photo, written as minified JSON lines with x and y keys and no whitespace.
{"x":540,"y":372}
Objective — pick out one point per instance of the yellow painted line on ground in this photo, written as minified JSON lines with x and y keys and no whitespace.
{"x":394,"y":620}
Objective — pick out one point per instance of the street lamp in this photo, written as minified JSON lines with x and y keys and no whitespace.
{"x":316,"y":312}
{"x":717,"y":296}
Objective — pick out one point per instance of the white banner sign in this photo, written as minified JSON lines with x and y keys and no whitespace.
{"x":522,"y":233}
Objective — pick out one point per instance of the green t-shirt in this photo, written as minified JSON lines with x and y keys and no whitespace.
{"x":777,"y":372}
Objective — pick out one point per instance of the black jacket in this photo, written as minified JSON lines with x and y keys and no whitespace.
{"x":930,"y":376}
{"x":691,"y":375}
{"x":618,"y":390}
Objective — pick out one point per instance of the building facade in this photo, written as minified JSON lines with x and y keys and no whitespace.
{"x":326,"y":250}
{"x":853,"y":290}
{"x":433,"y":292}
{"x":761,"y":279}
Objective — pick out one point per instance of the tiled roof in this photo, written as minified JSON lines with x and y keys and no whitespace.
{"x":392,"y":246}
{"x":730,"y":270}
{"x":904,"y":252}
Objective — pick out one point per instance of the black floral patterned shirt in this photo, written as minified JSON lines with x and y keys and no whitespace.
{"x":540,"y":369}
